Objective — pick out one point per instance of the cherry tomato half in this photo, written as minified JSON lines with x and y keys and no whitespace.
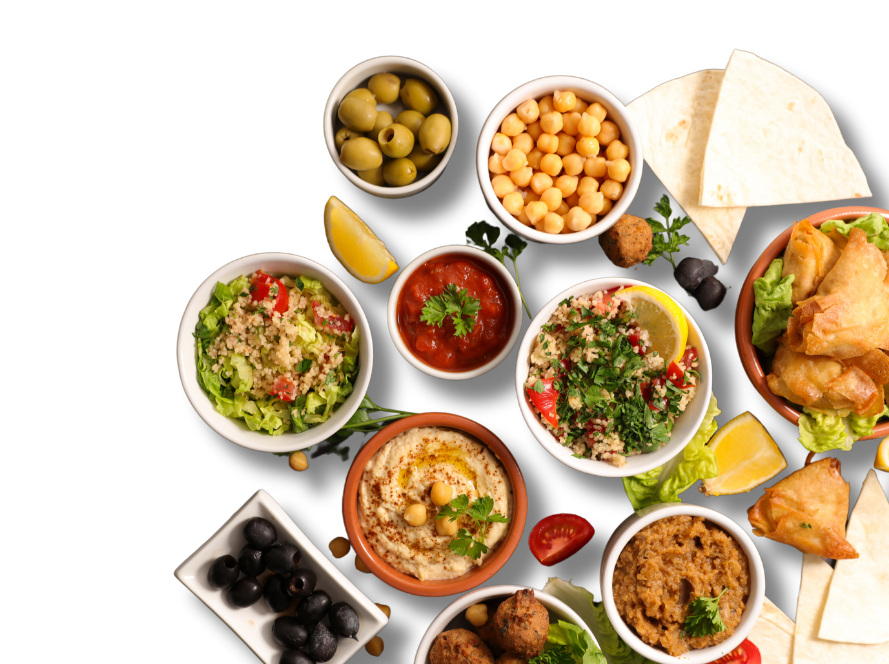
{"x":284,"y":389}
{"x":677,"y":376}
{"x":332,"y":322}
{"x":558,"y":537}
{"x":263,"y":283}
{"x":746,"y":653}
{"x":546,"y":401}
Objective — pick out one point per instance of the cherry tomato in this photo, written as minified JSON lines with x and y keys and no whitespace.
{"x":558,"y":537}
{"x":690,"y":355}
{"x":284,"y":389}
{"x":332,"y":322}
{"x":746,"y":653}
{"x":676,"y":376}
{"x":546,"y":400}
{"x":263,"y":283}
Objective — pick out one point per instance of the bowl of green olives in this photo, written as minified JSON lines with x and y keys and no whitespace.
{"x":390,"y":125}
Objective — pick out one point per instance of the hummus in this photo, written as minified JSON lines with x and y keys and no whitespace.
{"x":669,"y":564}
{"x":402,"y":473}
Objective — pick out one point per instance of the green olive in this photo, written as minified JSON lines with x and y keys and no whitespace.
{"x":357,"y":114}
{"x":385,"y":87}
{"x":373,"y":176}
{"x":361,"y":154}
{"x":399,"y":172}
{"x":363,"y":93}
{"x":396,"y":141}
{"x":383,"y":120}
{"x":419,"y":96}
{"x":412,"y":120}
{"x":343,"y":135}
{"x":424,"y":162}
{"x":435,"y":134}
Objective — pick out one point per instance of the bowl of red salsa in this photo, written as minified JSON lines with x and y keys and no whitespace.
{"x":455,"y":312}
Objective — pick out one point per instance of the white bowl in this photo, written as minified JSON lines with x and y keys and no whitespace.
{"x":648,"y":515}
{"x":236,"y":430}
{"x":589,"y":92}
{"x":254,"y":623}
{"x":493,"y":264}
{"x":686,"y":426}
{"x":453,"y":613}
{"x":357,"y":77}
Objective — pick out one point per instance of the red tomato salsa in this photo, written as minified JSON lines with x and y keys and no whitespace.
{"x":437,"y":346}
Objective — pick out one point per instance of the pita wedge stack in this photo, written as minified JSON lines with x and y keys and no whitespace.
{"x":773,"y":635}
{"x":674,"y":121}
{"x":774,"y":141}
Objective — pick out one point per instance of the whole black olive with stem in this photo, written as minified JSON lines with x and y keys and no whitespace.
{"x":295,"y":657}
{"x":313,"y":608}
{"x":282,"y":558}
{"x":250,"y":560}
{"x":289,"y":633}
{"x":322,"y":643}
{"x":301,"y":583}
{"x":343,"y":620}
{"x":710,"y":293}
{"x":260,"y":532}
{"x":245,"y":592}
{"x":276,"y":596}
{"x":223,"y":572}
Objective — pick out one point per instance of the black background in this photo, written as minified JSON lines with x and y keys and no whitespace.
{"x":268,"y":193}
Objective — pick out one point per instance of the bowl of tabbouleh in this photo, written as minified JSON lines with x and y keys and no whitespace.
{"x":595,"y":390}
{"x":274,"y":352}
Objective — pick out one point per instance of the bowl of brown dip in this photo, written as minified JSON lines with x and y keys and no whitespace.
{"x":666,"y":558}
{"x":394,"y":493}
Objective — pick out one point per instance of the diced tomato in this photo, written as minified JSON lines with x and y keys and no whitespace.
{"x":594,"y":427}
{"x":676,"y":376}
{"x":262,"y":284}
{"x":565,"y":364}
{"x":633,"y":338}
{"x":332,"y":322}
{"x":546,"y":401}
{"x":648,"y":391}
{"x":284,"y":389}
{"x":690,"y":355}
{"x":558,"y":537}
{"x":746,"y":653}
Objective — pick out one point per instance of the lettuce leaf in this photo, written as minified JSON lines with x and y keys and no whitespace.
{"x":577,"y":640}
{"x":772,"y":306}
{"x":350,"y":354}
{"x":873,"y":224}
{"x":664,"y":484}
{"x":822,"y":431}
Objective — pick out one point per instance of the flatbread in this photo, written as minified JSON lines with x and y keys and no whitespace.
{"x":674,"y":122}
{"x":807,"y":647}
{"x":773,"y":635}
{"x":857,"y":608}
{"x":774,"y":141}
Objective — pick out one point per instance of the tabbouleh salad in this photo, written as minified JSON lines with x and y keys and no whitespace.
{"x":279,"y":353}
{"x":597,"y":385}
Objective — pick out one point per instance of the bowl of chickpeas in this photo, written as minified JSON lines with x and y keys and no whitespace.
{"x":559,"y":160}
{"x":390,"y":125}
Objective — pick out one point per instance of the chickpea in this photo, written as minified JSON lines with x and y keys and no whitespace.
{"x":536,"y":211}
{"x":586,"y":185}
{"x":534,"y":130}
{"x":523,"y":218}
{"x":618,"y":170}
{"x":592,"y":202}
{"x":573,"y":200}
{"x":501,"y":144}
{"x":528,"y":111}
{"x":567,"y":184}
{"x":580,"y":106}
{"x":522,"y":176}
{"x":564,"y":100}
{"x":415,"y":515}
{"x":551,"y":123}
{"x":523,"y":142}
{"x":551,"y":164}
{"x":385,"y":609}
{"x":553,"y":223}
{"x":617,"y":150}
{"x":530,"y":196}
{"x":578,"y":219}
{"x":562,"y":210}
{"x":534,"y":158}
{"x":360,"y":566}
{"x":573,"y":163}
{"x":477,"y":614}
{"x":587,"y":147}
{"x":608,"y":133}
{"x":503,"y":185}
{"x":566,"y":144}
{"x":513,"y":203}
{"x":552,"y":197}
{"x":545,"y":105}
{"x":447,"y":528}
{"x":597,"y":111}
{"x":540,"y":182}
{"x":511,"y":125}
{"x":595,"y":167}
{"x":514,"y":160}
{"x":570,"y":122}
{"x":588,"y":125}
{"x":495,"y":164}
{"x":299,"y":462}
{"x":606,"y":206}
{"x":339,"y":547}
{"x":548,"y":143}
{"x":374,"y":647}
{"x":611,"y":189}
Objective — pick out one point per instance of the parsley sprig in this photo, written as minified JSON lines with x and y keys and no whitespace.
{"x":464,"y":544}
{"x":704,"y":618}
{"x":484,"y":235}
{"x":661,"y":246}
{"x":454,"y":302}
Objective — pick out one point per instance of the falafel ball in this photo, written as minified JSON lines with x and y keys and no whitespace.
{"x":511,"y":658}
{"x":521,"y":625}
{"x":628,"y":242}
{"x":486,"y":631}
{"x":459,"y":646}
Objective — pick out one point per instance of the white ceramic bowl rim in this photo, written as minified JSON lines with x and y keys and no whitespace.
{"x":236,"y":430}
{"x":494,"y":264}
{"x":688,"y":423}
{"x":646,"y":516}
{"x":617,"y":112}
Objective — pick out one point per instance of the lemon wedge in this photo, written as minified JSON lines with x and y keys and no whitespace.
{"x":882,"y":462}
{"x":359,"y":250}
{"x":746,"y":456}
{"x":661,"y":316}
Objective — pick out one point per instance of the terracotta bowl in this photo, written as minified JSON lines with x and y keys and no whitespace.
{"x":751,"y":358}
{"x":471,"y":579}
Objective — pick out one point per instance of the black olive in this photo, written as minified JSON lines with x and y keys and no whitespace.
{"x":343,"y":620}
{"x":692,"y":271}
{"x":313,"y":608}
{"x":295,"y":657}
{"x":301,"y":583}
{"x":250,"y":560}
{"x":260,"y":533}
{"x":289,"y":633}
{"x":245,"y":592}
{"x":322,"y":643}
{"x":223,"y":572}
{"x":282,"y":558}
{"x":276,"y":595}
{"x":710,"y":293}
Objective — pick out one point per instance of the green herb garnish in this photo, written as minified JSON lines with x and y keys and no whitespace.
{"x":659,"y":245}
{"x":464,"y":544}
{"x":454,"y":302}
{"x":483,"y":235}
{"x":806,"y":525}
{"x":704,"y":618}
{"x":539,"y":387}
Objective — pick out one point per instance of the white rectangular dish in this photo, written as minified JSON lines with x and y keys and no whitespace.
{"x":254,"y":624}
